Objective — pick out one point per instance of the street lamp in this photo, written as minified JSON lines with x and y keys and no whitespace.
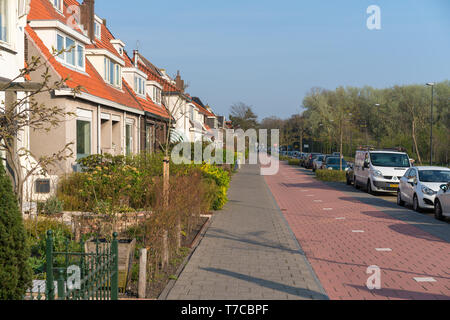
{"x":431,"y":84}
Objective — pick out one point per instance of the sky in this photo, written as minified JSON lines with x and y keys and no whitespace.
{"x":269,"y":54}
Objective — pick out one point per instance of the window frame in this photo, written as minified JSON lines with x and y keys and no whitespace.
{"x":75,"y":52}
{"x":7,"y":24}
{"x":98,"y":30}
{"x":59,"y":6}
{"x":87,"y":120}
{"x":112,"y":73}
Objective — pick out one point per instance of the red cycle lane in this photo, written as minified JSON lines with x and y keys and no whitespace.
{"x":342,"y":236}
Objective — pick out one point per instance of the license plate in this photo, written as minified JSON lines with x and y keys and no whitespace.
{"x":394,"y":185}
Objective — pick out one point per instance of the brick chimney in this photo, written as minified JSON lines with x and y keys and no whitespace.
{"x":179,"y":83}
{"x":88,"y":17}
{"x":135,"y":57}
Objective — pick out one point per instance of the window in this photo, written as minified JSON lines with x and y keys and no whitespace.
{"x":80,"y":51}
{"x":139,"y":85}
{"x":129,"y":138}
{"x":400,"y":160}
{"x":83,"y":138}
{"x":98,"y":30}
{"x":42,"y":186}
{"x":112,"y":73}
{"x":57,"y":4}
{"x":4,"y":21}
{"x":157,"y":95}
{"x":74,"y":54}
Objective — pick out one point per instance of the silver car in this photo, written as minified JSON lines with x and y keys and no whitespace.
{"x":442,"y":202}
{"x":420,"y":185}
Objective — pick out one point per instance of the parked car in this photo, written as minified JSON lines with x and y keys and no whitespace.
{"x":442,"y":202}
{"x":336,"y":154}
{"x":317,"y":162}
{"x":310,"y":159}
{"x":420,"y":185}
{"x":349,"y":174}
{"x":334,"y":163}
{"x":380,"y":170}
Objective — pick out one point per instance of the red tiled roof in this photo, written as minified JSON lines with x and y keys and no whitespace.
{"x":91,"y":81}
{"x":168,"y":87}
{"x":203,"y":110}
{"x":44,"y":10}
{"x":147,"y":104}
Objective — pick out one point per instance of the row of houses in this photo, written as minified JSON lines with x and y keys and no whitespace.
{"x":125,"y":105}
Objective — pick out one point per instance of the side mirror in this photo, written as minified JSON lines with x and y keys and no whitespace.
{"x":444,"y":187}
{"x":412,"y":181}
{"x":366,"y":165}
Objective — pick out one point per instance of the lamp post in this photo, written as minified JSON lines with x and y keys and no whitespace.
{"x":431,"y":84}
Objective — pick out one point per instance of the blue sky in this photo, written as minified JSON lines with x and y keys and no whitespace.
{"x":269,"y":54}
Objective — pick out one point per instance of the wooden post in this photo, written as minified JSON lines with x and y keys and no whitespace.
{"x":142,"y":286}
{"x":165,"y":253}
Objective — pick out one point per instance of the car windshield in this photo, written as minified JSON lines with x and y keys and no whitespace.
{"x":434,"y":176}
{"x":321,"y":158}
{"x":390,"y":160}
{"x":336,"y":161}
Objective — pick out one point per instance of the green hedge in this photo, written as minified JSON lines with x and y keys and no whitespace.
{"x":15,"y":271}
{"x":294,"y":162}
{"x":331,"y":175}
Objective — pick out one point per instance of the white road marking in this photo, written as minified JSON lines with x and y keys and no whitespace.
{"x":358,"y":231}
{"x":327,"y":209}
{"x":318,"y":201}
{"x":425,"y":279}
{"x":341,"y":218}
{"x":384,"y":249}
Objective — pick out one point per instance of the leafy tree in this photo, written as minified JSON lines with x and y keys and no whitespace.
{"x":15,"y":272}
{"x":243,"y":117}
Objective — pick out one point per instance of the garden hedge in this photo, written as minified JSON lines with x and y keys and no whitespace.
{"x":331,"y":175}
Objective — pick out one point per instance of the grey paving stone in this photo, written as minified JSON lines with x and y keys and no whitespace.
{"x":248,"y":252}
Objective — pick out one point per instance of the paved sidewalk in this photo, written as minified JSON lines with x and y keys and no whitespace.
{"x":343,"y":233}
{"x":248,"y":252}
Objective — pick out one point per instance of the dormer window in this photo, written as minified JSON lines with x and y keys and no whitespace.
{"x":57,"y":4}
{"x":73,"y":54}
{"x":113,"y":73}
{"x":139,"y":85}
{"x":98,"y":30}
{"x":157,"y":95}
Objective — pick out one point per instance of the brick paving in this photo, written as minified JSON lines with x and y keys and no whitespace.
{"x":341,"y":233}
{"x":248,"y":252}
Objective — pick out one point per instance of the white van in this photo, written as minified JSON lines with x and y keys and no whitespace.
{"x":380,"y":170}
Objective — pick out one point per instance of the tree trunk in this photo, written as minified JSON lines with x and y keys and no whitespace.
{"x":340,"y":147}
{"x":415,"y":141}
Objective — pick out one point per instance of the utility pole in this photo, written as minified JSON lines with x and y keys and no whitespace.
{"x":431,"y":84}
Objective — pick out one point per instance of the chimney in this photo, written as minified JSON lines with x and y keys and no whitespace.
{"x":88,"y":17}
{"x":135,"y":57}
{"x":179,"y":83}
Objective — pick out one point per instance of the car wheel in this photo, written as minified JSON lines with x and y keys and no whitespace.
{"x":416,"y":206}
{"x":355,"y":184}
{"x":349,"y":183}
{"x":438,"y":211}
{"x":369,"y":188}
{"x":400,"y":202}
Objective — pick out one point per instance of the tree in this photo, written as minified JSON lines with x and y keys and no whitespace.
{"x":15,"y":272}
{"x":25,"y":113}
{"x":243,"y":117}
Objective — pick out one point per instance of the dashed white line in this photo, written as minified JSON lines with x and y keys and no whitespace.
{"x":425,"y":279}
{"x":383,"y":249}
{"x":318,"y":201}
{"x":327,"y":209}
{"x":341,"y":218}
{"x":358,"y":231}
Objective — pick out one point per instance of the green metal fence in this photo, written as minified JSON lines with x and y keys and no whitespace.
{"x":81,"y":275}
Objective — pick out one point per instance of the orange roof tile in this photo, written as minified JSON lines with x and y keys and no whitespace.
{"x":91,"y":81}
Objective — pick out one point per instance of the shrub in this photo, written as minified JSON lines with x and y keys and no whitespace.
{"x":331,"y":175}
{"x":15,"y":272}
{"x":294,"y":162}
{"x":52,"y":206}
{"x":284,"y":158}
{"x":222,"y":181}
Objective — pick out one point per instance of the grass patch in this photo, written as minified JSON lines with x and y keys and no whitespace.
{"x":331,"y":175}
